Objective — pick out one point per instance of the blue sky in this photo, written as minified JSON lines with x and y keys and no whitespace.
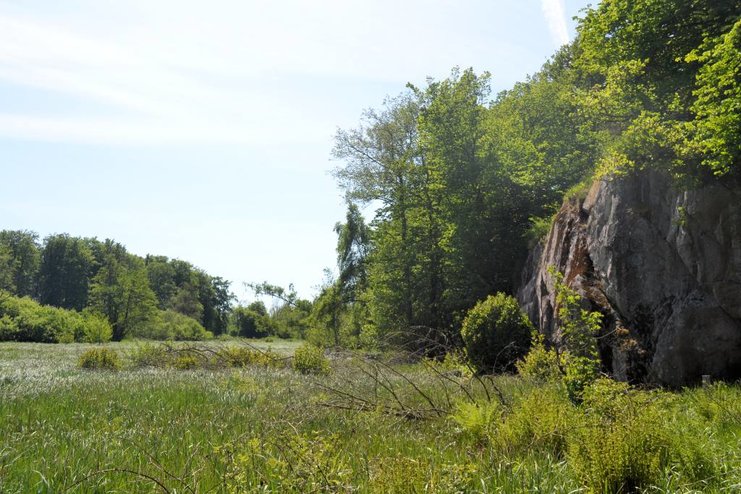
{"x":203,"y":130}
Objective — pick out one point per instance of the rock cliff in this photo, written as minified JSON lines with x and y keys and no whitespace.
{"x":664,"y":267}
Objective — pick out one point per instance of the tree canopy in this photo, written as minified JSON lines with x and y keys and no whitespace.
{"x":462,"y":179}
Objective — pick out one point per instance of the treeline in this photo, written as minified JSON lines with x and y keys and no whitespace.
{"x":465,"y":183}
{"x":65,"y":288}
{"x":153,"y":297}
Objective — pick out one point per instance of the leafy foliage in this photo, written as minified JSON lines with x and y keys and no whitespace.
{"x":23,"y":319}
{"x":310,"y":359}
{"x":465,"y":183}
{"x":6,"y":281}
{"x":101,"y":277}
{"x":176,"y":326}
{"x":541,"y":363}
{"x":120,"y":291}
{"x":579,"y":328}
{"x":244,"y":356}
{"x":24,"y":258}
{"x":97,"y":329}
{"x":251,"y":321}
{"x":496,"y":333}
{"x":717,"y":107}
{"x":65,"y":271}
{"x":100,"y":359}
{"x":199,"y":356}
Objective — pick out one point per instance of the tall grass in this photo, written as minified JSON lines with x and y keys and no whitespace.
{"x":260,"y":428}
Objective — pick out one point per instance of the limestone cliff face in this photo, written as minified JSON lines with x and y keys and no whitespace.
{"x":664,"y":267}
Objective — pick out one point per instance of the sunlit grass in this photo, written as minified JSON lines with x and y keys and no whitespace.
{"x":64,"y":429}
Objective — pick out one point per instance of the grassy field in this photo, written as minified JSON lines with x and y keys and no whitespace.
{"x":369,"y":426}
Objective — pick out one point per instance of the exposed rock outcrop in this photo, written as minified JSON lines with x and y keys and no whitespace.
{"x":664,"y":267}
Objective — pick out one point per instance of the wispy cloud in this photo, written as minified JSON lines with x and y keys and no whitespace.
{"x":142,"y":96}
{"x":142,"y":71}
{"x":554,"y":12}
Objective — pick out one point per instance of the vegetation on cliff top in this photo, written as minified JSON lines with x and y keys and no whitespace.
{"x":461,"y":179}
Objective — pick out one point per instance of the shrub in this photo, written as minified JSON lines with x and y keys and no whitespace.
{"x":24,"y":319}
{"x":621,"y":444}
{"x":100,"y":358}
{"x":578,"y":325}
{"x":580,"y":372}
{"x":66,"y":337}
{"x":250,"y":323}
{"x":183,"y":328}
{"x":496,"y":333}
{"x":539,"y":421}
{"x":579,"y":328}
{"x":538,"y":229}
{"x":149,"y":355}
{"x":541,"y":363}
{"x":186,"y":362}
{"x":193,"y":356}
{"x":477,"y":419}
{"x":171,"y":325}
{"x":97,"y":329}
{"x":310,"y":359}
{"x":8,"y":328}
{"x":235,"y":356}
{"x":454,"y":363}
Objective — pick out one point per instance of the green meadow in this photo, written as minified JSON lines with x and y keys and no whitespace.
{"x":374,"y":423}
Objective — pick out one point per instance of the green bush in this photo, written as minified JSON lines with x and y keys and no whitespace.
{"x":171,"y":325}
{"x":539,"y":228}
{"x":186,"y":362}
{"x":540,"y":420}
{"x":541,"y":363}
{"x":310,"y":359}
{"x":496,"y":333}
{"x":97,"y":329}
{"x":183,"y":328}
{"x":250,"y":323}
{"x":100,"y":358}
{"x":454,"y":363}
{"x":580,"y":373}
{"x":236,"y":356}
{"x":621,"y":443}
{"x":24,"y":319}
{"x":478,"y":420}
{"x":8,"y":328}
{"x":149,"y":355}
{"x":192,"y":356}
{"x":579,"y":328}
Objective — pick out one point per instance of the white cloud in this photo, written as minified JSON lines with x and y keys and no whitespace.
{"x":143,"y":95}
{"x":177,"y":70}
{"x":553,"y":10}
